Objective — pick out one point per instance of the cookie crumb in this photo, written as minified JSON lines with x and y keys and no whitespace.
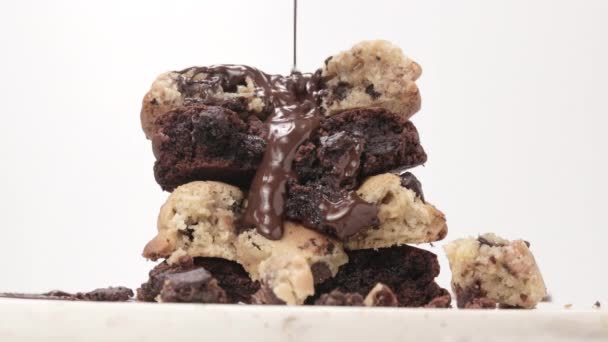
{"x":568,"y":306}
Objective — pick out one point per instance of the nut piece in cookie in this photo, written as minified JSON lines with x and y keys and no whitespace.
{"x":404,"y":216}
{"x":198,"y":219}
{"x":496,"y":269}
{"x":286,"y":279}
{"x":381,"y":295}
{"x":371,"y":74}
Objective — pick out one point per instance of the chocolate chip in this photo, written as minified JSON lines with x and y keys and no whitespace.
{"x":320,"y":272}
{"x":409,"y":181}
{"x":341,"y":90}
{"x":369,"y":90}
{"x":487,"y":242}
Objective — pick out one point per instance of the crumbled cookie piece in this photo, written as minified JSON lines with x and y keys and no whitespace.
{"x":288,"y":278}
{"x":494,"y":268}
{"x":338,"y":298}
{"x":199,"y":219}
{"x":194,"y":286}
{"x":404,"y":216}
{"x":481,"y":303}
{"x":371,"y":74}
{"x":108,"y":294}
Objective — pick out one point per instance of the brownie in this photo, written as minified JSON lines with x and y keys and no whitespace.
{"x":201,"y":142}
{"x":374,"y":138}
{"x":408,"y":271}
{"x":208,"y":280}
{"x":207,"y":143}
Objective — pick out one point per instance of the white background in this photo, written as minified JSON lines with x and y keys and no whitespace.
{"x":514,"y":119}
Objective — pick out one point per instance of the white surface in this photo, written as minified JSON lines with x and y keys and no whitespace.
{"x":514,"y":121}
{"x":28,"y":320}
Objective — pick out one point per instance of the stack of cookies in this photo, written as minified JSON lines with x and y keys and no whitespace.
{"x":292,"y":189}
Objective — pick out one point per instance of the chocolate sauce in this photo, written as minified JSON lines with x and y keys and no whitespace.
{"x":346,"y":215}
{"x":409,"y":181}
{"x":293,"y":117}
{"x":293,"y":121}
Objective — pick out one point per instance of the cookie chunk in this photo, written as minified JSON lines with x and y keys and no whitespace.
{"x":337,"y":298}
{"x":286,"y":279}
{"x":403,"y":215}
{"x":408,"y":271}
{"x":206,"y":143}
{"x":493,"y":268}
{"x":371,"y":74}
{"x":200,"y":280}
{"x":322,"y":254}
{"x":198,"y":218}
{"x":230,"y":86}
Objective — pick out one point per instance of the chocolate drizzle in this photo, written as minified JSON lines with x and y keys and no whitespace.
{"x":290,"y":103}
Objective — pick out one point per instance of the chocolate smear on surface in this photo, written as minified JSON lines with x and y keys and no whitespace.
{"x":108,"y":294}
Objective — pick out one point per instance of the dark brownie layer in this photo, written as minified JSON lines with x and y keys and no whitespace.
{"x":408,"y":271}
{"x":207,"y":143}
{"x":214,"y":143}
{"x":379,"y":139}
{"x":206,"y":280}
